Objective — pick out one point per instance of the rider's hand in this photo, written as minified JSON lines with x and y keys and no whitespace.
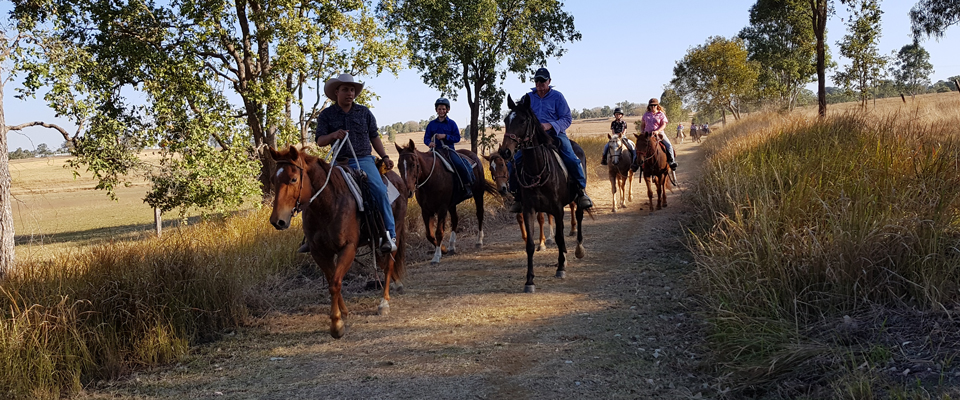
{"x":441,"y":136}
{"x":388,"y":163}
{"x":546,"y":126}
{"x":431,"y":145}
{"x":340,"y":134}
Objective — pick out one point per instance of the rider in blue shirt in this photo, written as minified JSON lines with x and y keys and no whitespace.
{"x":440,"y":135}
{"x":552,"y":110}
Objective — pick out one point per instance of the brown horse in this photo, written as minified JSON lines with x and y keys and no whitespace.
{"x":695,"y":134}
{"x":618,"y":167}
{"x":543,"y":185}
{"x":331,"y":223}
{"x":653,"y":160}
{"x":425,"y":174}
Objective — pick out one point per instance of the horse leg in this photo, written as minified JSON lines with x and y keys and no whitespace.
{"x":578,"y":216}
{"x":630,"y":186}
{"x":660,"y":194}
{"x":335,"y":276}
{"x":523,"y":229}
{"x":543,"y":240}
{"x":561,"y":247}
{"x":613,"y":191}
{"x":478,"y":201}
{"x":574,"y":226}
{"x":438,"y":233}
{"x":454,"y":223}
{"x":662,"y":189}
{"x":387,"y":264}
{"x":646,"y":178}
{"x":528,"y":287}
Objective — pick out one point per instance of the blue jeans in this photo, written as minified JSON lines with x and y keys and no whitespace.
{"x":671,"y":155}
{"x":570,"y":161}
{"x":463,"y":169}
{"x":377,"y":189}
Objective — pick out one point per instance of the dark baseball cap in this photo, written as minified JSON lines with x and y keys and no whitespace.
{"x":542,"y":73}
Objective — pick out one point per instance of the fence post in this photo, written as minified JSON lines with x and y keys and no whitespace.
{"x":157,"y":221}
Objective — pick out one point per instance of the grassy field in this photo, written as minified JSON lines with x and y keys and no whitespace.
{"x":828,"y":251}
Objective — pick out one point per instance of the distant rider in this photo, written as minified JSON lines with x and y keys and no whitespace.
{"x":617,"y":127}
{"x":440,"y":135}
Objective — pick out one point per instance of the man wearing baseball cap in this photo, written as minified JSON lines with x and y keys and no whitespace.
{"x":552,"y":110}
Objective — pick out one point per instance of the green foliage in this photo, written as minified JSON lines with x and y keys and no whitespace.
{"x":780,"y":37}
{"x":933,"y":17}
{"x":220,"y":81}
{"x":473,"y":44}
{"x":717,"y":75}
{"x":912,"y":69}
{"x":672,"y":105}
{"x":866,"y":66}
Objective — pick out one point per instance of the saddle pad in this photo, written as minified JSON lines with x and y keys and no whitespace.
{"x":392,"y":192}
{"x":562,"y":167}
{"x":354,"y":187}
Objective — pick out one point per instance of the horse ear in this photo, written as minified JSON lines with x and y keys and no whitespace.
{"x":399,"y":149}
{"x":510,"y":104}
{"x":273,"y":153}
{"x":411,"y":145}
{"x":294,"y":154}
{"x":609,"y":137}
{"x":524,"y":101}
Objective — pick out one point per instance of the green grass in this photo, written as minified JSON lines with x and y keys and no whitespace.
{"x":803,"y":222}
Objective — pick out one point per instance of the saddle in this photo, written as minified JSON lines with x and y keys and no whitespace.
{"x":371,"y":222}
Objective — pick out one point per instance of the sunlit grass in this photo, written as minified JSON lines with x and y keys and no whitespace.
{"x":803,"y":222}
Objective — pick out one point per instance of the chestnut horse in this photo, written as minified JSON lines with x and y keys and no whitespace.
{"x":620,"y":158}
{"x":331,"y":223}
{"x":425,"y":174}
{"x":543,"y":186}
{"x":653,"y":160}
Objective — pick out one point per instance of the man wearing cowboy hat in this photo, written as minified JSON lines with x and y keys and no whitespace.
{"x":347,"y":119}
{"x":552,"y":110}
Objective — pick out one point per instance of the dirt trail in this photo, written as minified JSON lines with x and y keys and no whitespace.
{"x":621,"y":325}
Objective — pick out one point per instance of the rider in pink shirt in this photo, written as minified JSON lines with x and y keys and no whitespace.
{"x":655,"y":121}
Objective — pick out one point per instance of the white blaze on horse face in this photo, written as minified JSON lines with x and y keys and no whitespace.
{"x":493,"y":167}
{"x":279,"y":171}
{"x":511,"y":116}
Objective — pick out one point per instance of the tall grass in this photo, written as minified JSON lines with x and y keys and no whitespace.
{"x":806,"y":221}
{"x":97,"y":313}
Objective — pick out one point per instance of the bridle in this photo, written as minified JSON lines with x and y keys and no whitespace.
{"x":298,"y":206}
{"x":529,"y":181}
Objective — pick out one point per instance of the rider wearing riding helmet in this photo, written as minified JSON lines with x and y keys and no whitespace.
{"x":617,"y":127}
{"x":440,"y":135}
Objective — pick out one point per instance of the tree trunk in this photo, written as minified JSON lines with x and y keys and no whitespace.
{"x":6,"y":212}
{"x":819,"y":8}
{"x":473,"y":100}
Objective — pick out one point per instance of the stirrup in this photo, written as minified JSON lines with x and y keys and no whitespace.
{"x":388,"y":244}
{"x":584,"y":201}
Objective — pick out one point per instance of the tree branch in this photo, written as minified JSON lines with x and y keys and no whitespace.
{"x":66,"y":136}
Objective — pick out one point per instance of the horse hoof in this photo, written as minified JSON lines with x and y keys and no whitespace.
{"x":451,"y":251}
{"x":572,"y":233}
{"x":580,"y":251}
{"x":561,"y":274}
{"x":338,"y":329}
{"x":397,"y":288}
{"x":434,"y":263}
{"x":614,"y":210}
{"x":529,"y":288}
{"x":383,"y":308}
{"x":479,"y":245}
{"x":541,"y":247}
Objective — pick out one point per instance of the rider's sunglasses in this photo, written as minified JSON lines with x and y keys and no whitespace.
{"x":539,"y":80}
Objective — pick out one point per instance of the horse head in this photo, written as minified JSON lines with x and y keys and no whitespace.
{"x":615,"y":146}
{"x":647,"y":145}
{"x":288,"y":186}
{"x":499,"y":172}
{"x":521,"y":128}
{"x":409,"y":165}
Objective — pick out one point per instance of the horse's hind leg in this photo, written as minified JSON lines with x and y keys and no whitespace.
{"x":523,"y":229}
{"x":387,"y":264}
{"x":454,"y":224}
{"x":441,"y":221}
{"x":478,"y":201}
{"x":574,"y":225}
{"x":561,"y":247}
{"x":646,"y":179}
{"x":630,"y":186}
{"x":661,"y":195}
{"x":578,"y":217}
{"x":613,"y":192}
{"x":543,"y":239}
{"x":528,"y":287}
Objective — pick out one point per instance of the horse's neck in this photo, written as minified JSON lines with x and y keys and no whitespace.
{"x":318,"y":172}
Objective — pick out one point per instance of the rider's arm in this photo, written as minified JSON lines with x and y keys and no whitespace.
{"x":428,"y":133}
{"x":454,"y":135}
{"x":564,"y":118}
{"x":323,"y":136}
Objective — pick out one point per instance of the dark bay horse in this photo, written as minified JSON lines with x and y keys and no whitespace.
{"x":618,"y":168}
{"x":331,"y":223}
{"x":653,"y":160}
{"x":543,"y":186}
{"x":501,"y":178}
{"x":424,"y":174}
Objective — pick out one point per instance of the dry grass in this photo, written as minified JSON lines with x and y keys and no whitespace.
{"x":806,"y":222}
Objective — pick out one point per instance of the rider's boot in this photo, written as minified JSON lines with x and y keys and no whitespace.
{"x":671,"y":161}
{"x":304,"y":247}
{"x":583,"y":201}
{"x":603,"y":160}
{"x":388,"y":244}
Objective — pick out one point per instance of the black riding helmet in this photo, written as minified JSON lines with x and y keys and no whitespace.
{"x":443,"y":101}
{"x":617,"y":111}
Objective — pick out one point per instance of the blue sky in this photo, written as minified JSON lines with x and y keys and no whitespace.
{"x":627,"y":52}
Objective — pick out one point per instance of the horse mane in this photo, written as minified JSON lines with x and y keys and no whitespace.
{"x":538,"y":132}
{"x":309,"y":161}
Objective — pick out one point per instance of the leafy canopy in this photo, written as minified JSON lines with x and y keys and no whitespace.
{"x":716,"y":75}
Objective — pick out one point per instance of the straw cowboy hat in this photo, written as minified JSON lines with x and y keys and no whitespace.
{"x":330,"y":88}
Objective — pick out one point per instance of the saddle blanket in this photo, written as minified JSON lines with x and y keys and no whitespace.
{"x":392,"y":192}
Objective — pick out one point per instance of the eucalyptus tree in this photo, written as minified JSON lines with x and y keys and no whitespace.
{"x":912,"y":68}
{"x":716,"y":75}
{"x":933,"y":17}
{"x":866,"y":66}
{"x":472,"y":44}
{"x":781,"y":38}
{"x":211,"y":83}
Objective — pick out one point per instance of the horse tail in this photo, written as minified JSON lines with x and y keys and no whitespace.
{"x":490,"y":187}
